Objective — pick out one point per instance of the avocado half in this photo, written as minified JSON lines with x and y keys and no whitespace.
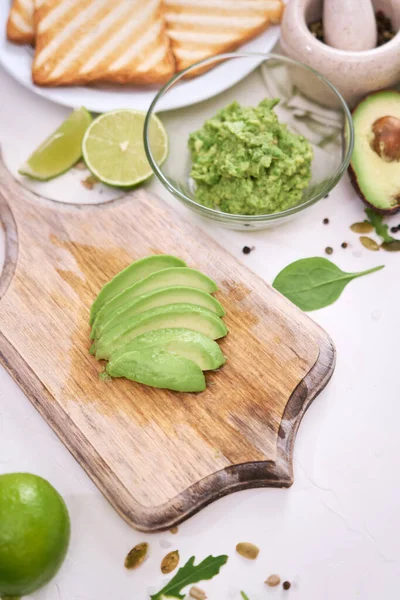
{"x":375,"y":165}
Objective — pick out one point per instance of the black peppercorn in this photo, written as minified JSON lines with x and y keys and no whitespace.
{"x":344,"y":244}
{"x":286,"y":585}
{"x":246,"y":250}
{"x":325,"y":221}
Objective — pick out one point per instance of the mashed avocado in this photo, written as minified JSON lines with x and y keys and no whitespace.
{"x":246,"y":162}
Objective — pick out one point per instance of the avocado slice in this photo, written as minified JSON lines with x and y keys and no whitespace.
{"x":187,"y":343}
{"x":137,"y":270}
{"x":187,"y":316}
{"x":161,"y":297}
{"x":177,"y":276}
{"x":160,"y":369}
{"x":375,"y":165}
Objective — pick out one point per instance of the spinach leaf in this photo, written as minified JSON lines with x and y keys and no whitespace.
{"x":380,"y":227}
{"x":313,"y":283}
{"x":191,"y":573}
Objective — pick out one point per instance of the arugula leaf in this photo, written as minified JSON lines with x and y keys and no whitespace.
{"x":380,"y":227}
{"x":313,"y":283}
{"x":191,"y":573}
{"x":244,"y":596}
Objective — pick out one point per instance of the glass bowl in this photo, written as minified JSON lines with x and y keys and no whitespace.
{"x":309,"y":105}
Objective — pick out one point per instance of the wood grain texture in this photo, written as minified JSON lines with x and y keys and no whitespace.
{"x":158,"y":456}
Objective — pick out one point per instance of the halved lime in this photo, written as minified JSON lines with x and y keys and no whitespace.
{"x":113,"y":147}
{"x":60,"y":150}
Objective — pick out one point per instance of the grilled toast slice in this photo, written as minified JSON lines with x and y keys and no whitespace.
{"x":118,"y":41}
{"x":20,"y":28}
{"x":199,"y":29}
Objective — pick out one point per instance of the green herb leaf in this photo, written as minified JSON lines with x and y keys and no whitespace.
{"x":313,"y":283}
{"x":380,"y":227}
{"x":244,"y":596}
{"x":191,"y":573}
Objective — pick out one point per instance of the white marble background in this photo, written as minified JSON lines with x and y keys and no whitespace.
{"x":335,"y":533}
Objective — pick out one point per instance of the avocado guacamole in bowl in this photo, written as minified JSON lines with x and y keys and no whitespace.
{"x":260,"y":152}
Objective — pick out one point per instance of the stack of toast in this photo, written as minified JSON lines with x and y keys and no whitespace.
{"x":131,"y":41}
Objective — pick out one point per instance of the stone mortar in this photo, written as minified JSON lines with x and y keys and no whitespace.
{"x":354,"y":74}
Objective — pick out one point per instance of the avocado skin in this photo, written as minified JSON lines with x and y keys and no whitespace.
{"x":353,"y":174}
{"x":381,"y":211}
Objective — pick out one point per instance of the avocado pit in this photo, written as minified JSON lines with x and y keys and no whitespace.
{"x":386,"y":138}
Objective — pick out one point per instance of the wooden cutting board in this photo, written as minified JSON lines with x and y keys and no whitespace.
{"x":157,"y":456}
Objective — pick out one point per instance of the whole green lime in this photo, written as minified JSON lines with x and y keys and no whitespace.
{"x":34,"y":533}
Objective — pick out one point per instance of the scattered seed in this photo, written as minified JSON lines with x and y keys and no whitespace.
{"x":170,"y":562}
{"x":344,"y":244}
{"x":174,"y":530}
{"x":328,"y":250}
{"x":273,"y":580}
{"x":197,"y":593}
{"x":317,"y":30}
{"x":362,"y":227}
{"x":394,"y":229}
{"x":385,"y":28}
{"x":325,"y":221}
{"x":391,"y":246}
{"x":286,"y":585}
{"x":136,"y":556}
{"x":246,"y":250}
{"x":327,"y":196}
{"x":89,"y":182}
{"x":369,"y":243}
{"x":80,"y":166}
{"x":247,"y":550}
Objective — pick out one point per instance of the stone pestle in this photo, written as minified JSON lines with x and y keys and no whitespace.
{"x":350,"y":24}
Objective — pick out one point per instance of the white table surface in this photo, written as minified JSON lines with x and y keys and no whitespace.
{"x":335,"y":533}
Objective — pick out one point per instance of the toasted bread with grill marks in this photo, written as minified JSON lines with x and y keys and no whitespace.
{"x":199,"y":29}
{"x":118,"y":41}
{"x":20,"y":27}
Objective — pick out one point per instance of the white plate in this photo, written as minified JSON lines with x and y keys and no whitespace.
{"x":17,"y":60}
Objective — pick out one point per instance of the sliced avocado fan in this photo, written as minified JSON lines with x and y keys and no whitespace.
{"x":135,"y":272}
{"x":156,"y":323}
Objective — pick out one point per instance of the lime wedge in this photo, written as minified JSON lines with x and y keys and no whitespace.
{"x":113,"y":147}
{"x":60,"y":150}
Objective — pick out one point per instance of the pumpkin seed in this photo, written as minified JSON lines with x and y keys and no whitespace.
{"x":362,"y":227}
{"x":247,"y":550}
{"x":197,"y":593}
{"x":391,"y":246}
{"x":369,"y":243}
{"x":273,"y":580}
{"x":170,"y":562}
{"x":136,"y":556}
